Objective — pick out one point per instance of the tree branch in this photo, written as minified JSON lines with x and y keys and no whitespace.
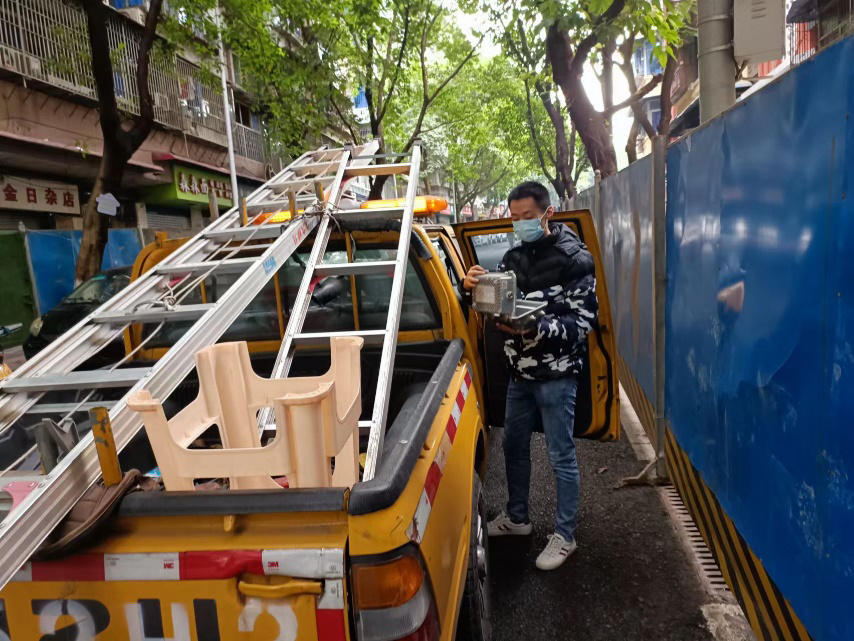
{"x":102,"y":68}
{"x":666,"y":98}
{"x":143,"y":123}
{"x":627,"y":49}
{"x":344,"y":119}
{"x":533,"y":128}
{"x":587,"y":44}
{"x":634,"y":98}
{"x":399,"y":63}
{"x":458,"y":69}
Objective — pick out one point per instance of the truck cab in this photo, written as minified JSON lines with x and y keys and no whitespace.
{"x":403,"y":555}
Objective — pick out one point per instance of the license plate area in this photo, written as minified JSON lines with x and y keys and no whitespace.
{"x":200,"y":610}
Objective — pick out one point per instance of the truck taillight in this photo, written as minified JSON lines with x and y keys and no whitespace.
{"x":392,"y":598}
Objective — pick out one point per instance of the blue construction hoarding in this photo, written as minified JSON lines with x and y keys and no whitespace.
{"x":627,"y":254}
{"x":760,"y":328}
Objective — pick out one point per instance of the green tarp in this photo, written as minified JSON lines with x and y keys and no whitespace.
{"x":16,"y":292}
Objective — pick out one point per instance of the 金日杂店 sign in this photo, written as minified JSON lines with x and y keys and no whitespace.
{"x":38,"y":195}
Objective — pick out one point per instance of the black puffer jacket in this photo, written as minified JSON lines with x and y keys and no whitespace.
{"x":558,"y":269}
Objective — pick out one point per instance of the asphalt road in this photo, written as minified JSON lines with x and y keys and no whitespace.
{"x":630,"y":579}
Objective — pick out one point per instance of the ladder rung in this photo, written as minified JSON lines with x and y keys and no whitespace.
{"x":76,"y":380}
{"x":300,"y":183}
{"x":256,"y":232}
{"x":64,"y":408}
{"x":371,"y":336}
{"x":378,"y":170}
{"x":405,"y":154}
{"x":280,"y":204}
{"x":180,"y":313}
{"x":313,"y":166}
{"x":355,"y":269}
{"x":231,"y":266}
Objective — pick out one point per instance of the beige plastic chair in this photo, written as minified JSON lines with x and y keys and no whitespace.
{"x":317,"y":420}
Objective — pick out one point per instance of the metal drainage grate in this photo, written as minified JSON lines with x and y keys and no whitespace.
{"x":704,"y":559}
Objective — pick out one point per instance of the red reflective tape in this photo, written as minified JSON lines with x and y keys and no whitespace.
{"x":468,"y":379}
{"x":83,"y":567}
{"x":431,"y":485}
{"x":220,"y":564}
{"x":461,"y":401}
{"x":451,"y":429}
{"x":330,"y":625}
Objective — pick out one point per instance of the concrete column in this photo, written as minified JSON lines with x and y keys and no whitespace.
{"x":141,"y":215}
{"x":717,"y":66}
{"x":196,"y":221}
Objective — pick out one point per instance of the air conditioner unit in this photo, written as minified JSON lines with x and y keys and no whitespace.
{"x":137,"y":14}
{"x":72,"y":87}
{"x":160,"y":100}
{"x":31,"y":66}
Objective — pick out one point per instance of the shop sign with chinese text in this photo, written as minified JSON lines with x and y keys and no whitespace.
{"x":193,"y":185}
{"x":38,"y":195}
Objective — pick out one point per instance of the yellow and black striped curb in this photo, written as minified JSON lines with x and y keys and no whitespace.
{"x":769,"y":613}
{"x":637,"y":397}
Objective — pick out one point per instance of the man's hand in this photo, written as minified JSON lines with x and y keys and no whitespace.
{"x":471,"y":277}
{"x":510,"y":330}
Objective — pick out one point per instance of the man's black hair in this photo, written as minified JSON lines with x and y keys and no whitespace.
{"x":531,"y":189}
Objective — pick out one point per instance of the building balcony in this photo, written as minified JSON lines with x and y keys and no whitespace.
{"x":46,"y":41}
{"x":249,"y":143}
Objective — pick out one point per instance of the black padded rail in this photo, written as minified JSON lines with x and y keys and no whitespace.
{"x":232,"y":502}
{"x":410,"y":430}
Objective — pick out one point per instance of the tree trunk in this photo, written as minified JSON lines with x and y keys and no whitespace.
{"x":96,"y":225}
{"x":632,"y":142}
{"x":590,"y":124}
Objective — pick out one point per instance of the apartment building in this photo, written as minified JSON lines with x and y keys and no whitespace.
{"x":50,"y":138}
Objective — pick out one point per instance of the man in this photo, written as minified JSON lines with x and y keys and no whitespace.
{"x":550,"y":264}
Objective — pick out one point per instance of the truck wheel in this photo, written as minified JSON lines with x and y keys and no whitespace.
{"x":475,"y":622}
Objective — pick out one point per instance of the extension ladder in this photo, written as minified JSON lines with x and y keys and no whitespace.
{"x":316,"y":179}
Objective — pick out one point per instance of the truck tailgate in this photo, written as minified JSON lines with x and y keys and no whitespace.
{"x":277,"y":578}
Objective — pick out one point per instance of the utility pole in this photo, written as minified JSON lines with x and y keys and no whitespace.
{"x":716,"y":62}
{"x":229,"y":115}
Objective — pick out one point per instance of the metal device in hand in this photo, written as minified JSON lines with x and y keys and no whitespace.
{"x":495,"y":295}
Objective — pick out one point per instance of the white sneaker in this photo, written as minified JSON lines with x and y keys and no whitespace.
{"x":557,"y":551}
{"x":503,"y":526}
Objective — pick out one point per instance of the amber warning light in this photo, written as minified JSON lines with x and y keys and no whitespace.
{"x":424,"y":205}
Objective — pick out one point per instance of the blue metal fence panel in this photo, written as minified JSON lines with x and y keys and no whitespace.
{"x":54,"y":255}
{"x":627,"y":244}
{"x":760,"y":327}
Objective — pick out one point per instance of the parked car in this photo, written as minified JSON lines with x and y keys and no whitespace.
{"x":71,"y":309}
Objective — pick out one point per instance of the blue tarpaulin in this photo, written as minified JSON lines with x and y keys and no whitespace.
{"x":53,"y":255}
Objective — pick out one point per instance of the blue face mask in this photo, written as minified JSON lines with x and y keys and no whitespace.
{"x":530,"y":230}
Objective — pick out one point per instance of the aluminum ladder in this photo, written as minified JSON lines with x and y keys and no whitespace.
{"x":315,"y":268}
{"x":156,"y":297}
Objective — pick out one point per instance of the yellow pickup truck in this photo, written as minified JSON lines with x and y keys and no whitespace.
{"x":401,"y":556}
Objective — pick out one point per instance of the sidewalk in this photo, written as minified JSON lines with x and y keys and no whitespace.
{"x":633,"y":578}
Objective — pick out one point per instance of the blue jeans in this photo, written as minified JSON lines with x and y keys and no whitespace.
{"x":550,"y":404}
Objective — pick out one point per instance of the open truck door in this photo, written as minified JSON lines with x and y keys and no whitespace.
{"x":597,"y":411}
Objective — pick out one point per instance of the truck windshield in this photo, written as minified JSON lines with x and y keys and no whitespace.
{"x":331,"y":305}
